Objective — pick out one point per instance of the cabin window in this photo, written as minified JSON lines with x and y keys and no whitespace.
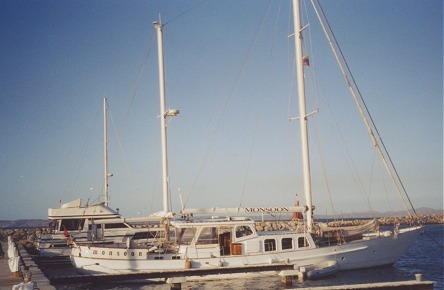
{"x":270,"y":245}
{"x":52,"y":225}
{"x":186,"y":235}
{"x":287,"y":243}
{"x":302,"y":242}
{"x":94,"y":226}
{"x":243,"y":231}
{"x":72,"y":224}
{"x":208,"y":236}
{"x":143,"y":235}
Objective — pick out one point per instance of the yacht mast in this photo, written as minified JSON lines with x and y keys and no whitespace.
{"x":302,"y":113}
{"x":105,"y":152}
{"x":159,"y":27}
{"x":163,"y":115}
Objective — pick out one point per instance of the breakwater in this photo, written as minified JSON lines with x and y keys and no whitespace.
{"x":28,"y":236}
{"x":385,"y":221}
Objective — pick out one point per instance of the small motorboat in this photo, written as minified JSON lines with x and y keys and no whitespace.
{"x":323,"y":269}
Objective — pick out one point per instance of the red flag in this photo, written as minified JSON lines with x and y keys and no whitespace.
{"x":297,"y":215}
{"x":65,"y":232}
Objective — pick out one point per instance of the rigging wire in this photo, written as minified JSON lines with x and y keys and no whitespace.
{"x":139,"y":79}
{"x":382,"y":178}
{"x":142,"y":70}
{"x":351,"y":86}
{"x":371,"y":175}
{"x":313,"y":85}
{"x":184,"y":12}
{"x":225,"y":108}
{"x":347,"y":155}
{"x":291,"y":59}
{"x":83,"y":155}
{"x":261,"y":100}
{"x":121,"y":149}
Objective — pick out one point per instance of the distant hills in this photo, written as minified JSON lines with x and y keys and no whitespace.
{"x":39,"y":223}
{"x":29,"y":223}
{"x":419,"y":211}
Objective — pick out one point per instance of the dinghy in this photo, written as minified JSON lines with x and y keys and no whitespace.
{"x":323,"y":269}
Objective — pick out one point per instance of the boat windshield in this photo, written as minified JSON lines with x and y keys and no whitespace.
{"x":72,"y":224}
{"x":243,"y":231}
{"x":186,"y":235}
{"x":208,"y":235}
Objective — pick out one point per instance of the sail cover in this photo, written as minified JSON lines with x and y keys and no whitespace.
{"x":346,"y":231}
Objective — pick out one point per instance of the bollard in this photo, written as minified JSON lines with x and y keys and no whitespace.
{"x":287,"y":280}
{"x":302,"y":274}
{"x":287,"y":276}
{"x":301,"y":277}
{"x":418,"y":277}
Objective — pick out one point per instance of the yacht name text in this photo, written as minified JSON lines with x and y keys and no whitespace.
{"x":267,"y":209}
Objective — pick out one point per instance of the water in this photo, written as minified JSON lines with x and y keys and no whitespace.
{"x":424,"y":257}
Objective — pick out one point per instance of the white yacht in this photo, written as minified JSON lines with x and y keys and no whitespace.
{"x":87,"y":223}
{"x":232,"y":242}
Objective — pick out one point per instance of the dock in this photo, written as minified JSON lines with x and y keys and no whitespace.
{"x":404,"y":285}
{"x":50,"y":271}
{"x":68,"y":279}
{"x":8,"y":278}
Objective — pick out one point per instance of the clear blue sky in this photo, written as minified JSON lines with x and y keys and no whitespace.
{"x":232,"y":141}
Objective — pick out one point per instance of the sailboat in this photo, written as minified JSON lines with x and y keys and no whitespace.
{"x":96,"y":222}
{"x":199,"y":246}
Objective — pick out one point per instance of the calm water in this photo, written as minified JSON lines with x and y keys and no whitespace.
{"x":424,"y":257}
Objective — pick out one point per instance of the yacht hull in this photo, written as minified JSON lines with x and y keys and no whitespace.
{"x":384,"y":248}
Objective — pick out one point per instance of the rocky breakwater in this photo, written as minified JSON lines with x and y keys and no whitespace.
{"x":390,"y":221}
{"x":278,"y":225}
{"x":384,"y":221}
{"x":25,"y":236}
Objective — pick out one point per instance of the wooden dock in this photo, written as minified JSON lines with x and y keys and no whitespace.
{"x":68,"y":279}
{"x":8,"y":279}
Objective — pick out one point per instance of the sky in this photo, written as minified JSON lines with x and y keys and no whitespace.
{"x":229,"y":70}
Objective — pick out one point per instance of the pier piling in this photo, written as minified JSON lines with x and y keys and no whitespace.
{"x":287,"y":276}
{"x":176,"y":282}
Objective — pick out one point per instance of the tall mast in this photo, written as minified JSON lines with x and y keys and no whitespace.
{"x":163,"y":115}
{"x":302,"y":113}
{"x":105,"y":152}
